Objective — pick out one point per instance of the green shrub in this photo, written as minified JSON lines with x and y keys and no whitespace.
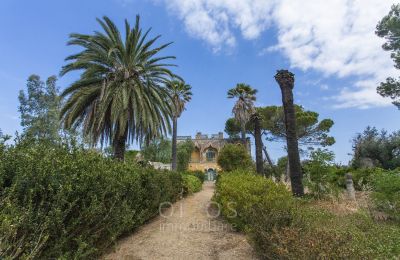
{"x":319,"y":174}
{"x":363,"y":178}
{"x":386,"y":193}
{"x":199,"y":174}
{"x":234,"y":156}
{"x":281,"y":227}
{"x":191,"y":184}
{"x":72,"y":204}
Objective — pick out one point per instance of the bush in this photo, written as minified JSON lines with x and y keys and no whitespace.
{"x":191,"y":184}
{"x":363,"y":178}
{"x":68,"y":203}
{"x":319,"y":174}
{"x":386,"y":193}
{"x":199,"y":174}
{"x":281,"y":227}
{"x":233,"y":157}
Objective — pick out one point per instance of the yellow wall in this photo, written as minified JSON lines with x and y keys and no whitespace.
{"x":203,"y":166}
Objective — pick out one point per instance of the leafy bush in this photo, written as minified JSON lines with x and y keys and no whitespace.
{"x":363,"y":178}
{"x":191,"y":184}
{"x":184,"y":151}
{"x":386,"y":193}
{"x":68,"y":203}
{"x":281,"y":227}
{"x":319,"y":173}
{"x":199,"y":174}
{"x":233,"y":157}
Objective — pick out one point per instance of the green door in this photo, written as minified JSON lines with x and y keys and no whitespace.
{"x":210,"y":175}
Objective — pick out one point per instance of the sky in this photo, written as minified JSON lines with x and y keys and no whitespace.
{"x":330,"y":46}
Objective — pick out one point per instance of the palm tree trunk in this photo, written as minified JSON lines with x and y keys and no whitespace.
{"x":268,"y":158}
{"x":285,"y":80}
{"x":259,"y":145}
{"x":174,"y":141}
{"x":243,"y":133}
{"x":119,"y":146}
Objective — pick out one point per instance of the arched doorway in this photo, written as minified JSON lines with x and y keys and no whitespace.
{"x":211,"y":174}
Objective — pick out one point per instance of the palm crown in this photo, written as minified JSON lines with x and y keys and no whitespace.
{"x":244,"y":106}
{"x":120,"y":93}
{"x":180,"y":94}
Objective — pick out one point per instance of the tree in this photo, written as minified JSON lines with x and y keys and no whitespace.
{"x":310,"y":130}
{"x":180,"y":94}
{"x":184,"y":152}
{"x":244,"y":106}
{"x":285,"y":80}
{"x":39,"y":108}
{"x":388,"y":28}
{"x":374,"y":148}
{"x":120,"y":95}
{"x":232,"y":128}
{"x":256,"y":119}
{"x":234,"y":156}
{"x":157,"y":150}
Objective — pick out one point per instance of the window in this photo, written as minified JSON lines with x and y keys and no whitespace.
{"x":210,"y":155}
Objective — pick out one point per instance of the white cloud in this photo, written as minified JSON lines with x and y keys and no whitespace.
{"x":334,"y":37}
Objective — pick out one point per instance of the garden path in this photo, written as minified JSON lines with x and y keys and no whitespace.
{"x":187,"y":230}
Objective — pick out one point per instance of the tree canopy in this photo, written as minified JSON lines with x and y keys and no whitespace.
{"x":40,"y":107}
{"x":373,"y":148}
{"x":120,"y":95}
{"x":389,"y":29}
{"x":310,"y":130}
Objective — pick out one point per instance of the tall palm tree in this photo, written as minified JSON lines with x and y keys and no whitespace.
{"x":285,"y":80}
{"x":180,"y":94}
{"x":244,"y":106}
{"x":120,"y":96}
{"x":256,"y":120}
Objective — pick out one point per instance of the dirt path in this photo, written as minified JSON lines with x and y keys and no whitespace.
{"x":188,"y":230}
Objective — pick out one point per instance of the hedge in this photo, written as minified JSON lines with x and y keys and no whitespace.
{"x":282,"y":227}
{"x":69,"y":203}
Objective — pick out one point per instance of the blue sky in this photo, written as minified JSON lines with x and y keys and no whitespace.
{"x":333,"y":51}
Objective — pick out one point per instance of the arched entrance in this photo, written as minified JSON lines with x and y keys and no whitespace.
{"x":211,"y":174}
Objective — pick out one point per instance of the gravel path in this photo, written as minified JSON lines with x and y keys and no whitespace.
{"x":187,"y":230}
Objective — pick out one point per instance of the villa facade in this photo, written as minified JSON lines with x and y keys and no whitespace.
{"x":207,"y":147}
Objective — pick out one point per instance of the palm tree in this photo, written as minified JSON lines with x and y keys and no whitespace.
{"x":256,"y":120}
{"x":180,"y":94}
{"x":244,"y":106}
{"x":120,"y":96}
{"x":285,"y":80}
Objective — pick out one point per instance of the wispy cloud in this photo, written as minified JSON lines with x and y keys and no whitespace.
{"x":334,"y":37}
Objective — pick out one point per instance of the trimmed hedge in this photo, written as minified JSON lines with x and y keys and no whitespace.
{"x":282,"y":227}
{"x":71,"y":203}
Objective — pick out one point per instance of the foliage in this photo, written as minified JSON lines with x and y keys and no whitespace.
{"x":386,"y":193}
{"x":191,"y":184}
{"x":157,"y":150}
{"x":310,"y":131}
{"x":40,"y":108}
{"x":244,"y":106}
{"x":184,"y":153}
{"x":281,"y":227}
{"x":234,"y":156}
{"x":232,"y":128}
{"x":363,"y":178}
{"x":60,"y":202}
{"x":199,"y":174}
{"x":388,"y":28}
{"x":120,"y":95}
{"x":319,"y":173}
{"x":180,"y":93}
{"x":376,"y":149}
{"x":130,"y":156}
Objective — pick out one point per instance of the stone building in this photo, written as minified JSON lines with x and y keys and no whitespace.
{"x":205,"y":154}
